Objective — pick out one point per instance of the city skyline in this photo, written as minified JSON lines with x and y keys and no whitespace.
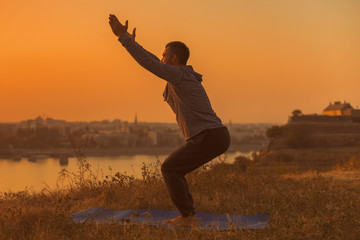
{"x":44,"y":117}
{"x":136,"y":120}
{"x":259,"y":60}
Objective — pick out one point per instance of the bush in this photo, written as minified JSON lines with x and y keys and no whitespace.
{"x":275,"y":131}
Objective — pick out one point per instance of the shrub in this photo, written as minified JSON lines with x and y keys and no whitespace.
{"x":275,"y":131}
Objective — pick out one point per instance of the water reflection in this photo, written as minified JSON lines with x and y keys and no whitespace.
{"x":40,"y":171}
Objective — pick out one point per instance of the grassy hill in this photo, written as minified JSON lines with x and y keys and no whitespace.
{"x":302,"y":204}
{"x":319,"y":144}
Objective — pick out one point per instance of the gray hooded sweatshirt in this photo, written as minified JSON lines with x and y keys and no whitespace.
{"x":183,"y":92}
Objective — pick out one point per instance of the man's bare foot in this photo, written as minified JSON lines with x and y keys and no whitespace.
{"x":182,"y":221}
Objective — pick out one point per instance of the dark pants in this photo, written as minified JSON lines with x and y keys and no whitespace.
{"x":197,"y":151}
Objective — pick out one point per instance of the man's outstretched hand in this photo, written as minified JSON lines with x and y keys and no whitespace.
{"x":119,"y":29}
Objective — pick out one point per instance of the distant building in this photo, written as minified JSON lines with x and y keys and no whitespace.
{"x":40,"y":122}
{"x":341,"y":109}
{"x":153,"y":137}
{"x":135,"y":120}
{"x":116,"y":139}
{"x":335,"y":112}
{"x":7,"y":129}
{"x":125,"y":127}
{"x":60,"y":125}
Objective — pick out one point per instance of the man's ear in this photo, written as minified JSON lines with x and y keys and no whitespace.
{"x":174,"y":59}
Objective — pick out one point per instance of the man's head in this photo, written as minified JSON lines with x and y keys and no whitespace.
{"x":176,"y":53}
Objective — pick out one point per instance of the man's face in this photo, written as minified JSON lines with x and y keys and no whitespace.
{"x":168,"y":57}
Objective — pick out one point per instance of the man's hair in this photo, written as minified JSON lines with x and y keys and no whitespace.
{"x":181,"y":51}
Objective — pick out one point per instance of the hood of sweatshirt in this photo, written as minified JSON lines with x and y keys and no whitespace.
{"x":189,"y":70}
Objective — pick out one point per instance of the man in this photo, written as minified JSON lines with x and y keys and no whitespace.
{"x":206,"y":137}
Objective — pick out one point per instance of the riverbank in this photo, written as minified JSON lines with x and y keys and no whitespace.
{"x":64,"y":153}
{"x":96,"y":152}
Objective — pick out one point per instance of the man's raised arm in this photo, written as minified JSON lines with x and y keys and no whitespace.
{"x":149,"y":61}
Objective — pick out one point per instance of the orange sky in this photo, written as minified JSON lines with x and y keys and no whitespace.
{"x":260,"y":59}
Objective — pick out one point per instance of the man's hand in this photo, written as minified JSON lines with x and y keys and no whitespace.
{"x":119,"y":29}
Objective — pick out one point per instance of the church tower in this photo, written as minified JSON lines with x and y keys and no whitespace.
{"x":135,"y":120}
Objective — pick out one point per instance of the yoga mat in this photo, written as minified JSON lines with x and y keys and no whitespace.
{"x":154,"y":217}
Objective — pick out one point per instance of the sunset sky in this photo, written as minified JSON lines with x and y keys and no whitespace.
{"x":260,"y":59}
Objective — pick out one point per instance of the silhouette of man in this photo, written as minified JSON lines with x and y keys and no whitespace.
{"x":206,"y":137}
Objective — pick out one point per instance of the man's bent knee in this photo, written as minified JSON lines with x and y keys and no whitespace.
{"x":165,"y":170}
{"x":169,"y":171}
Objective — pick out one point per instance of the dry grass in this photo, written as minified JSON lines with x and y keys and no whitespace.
{"x":302,"y":204}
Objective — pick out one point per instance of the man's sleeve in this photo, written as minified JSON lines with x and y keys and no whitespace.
{"x":170,"y":73}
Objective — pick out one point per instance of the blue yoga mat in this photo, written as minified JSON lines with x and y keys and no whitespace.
{"x":156,"y":216}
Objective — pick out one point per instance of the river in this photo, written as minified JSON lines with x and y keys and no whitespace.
{"x":21,"y":174}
